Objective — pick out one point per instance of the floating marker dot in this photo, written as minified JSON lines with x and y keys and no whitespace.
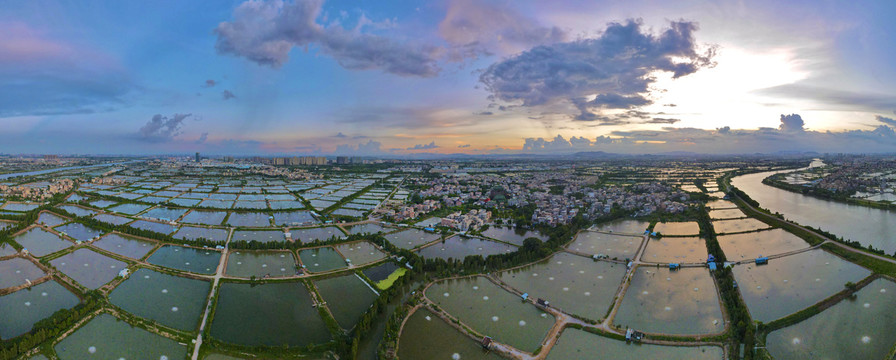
{"x":494,"y":318}
{"x":522,"y":323}
{"x":174,"y":309}
{"x":91,"y":349}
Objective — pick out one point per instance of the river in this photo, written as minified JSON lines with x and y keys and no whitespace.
{"x":866,"y":225}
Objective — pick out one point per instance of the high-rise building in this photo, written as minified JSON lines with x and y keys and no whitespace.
{"x":197,"y":157}
{"x":342,"y":159}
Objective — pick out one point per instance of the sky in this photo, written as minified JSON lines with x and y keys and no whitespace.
{"x":399,"y":78}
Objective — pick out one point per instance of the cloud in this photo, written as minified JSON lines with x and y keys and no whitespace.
{"x":162,"y":128}
{"x":484,"y":27}
{"x":886,"y":120}
{"x":791,"y":136}
{"x":266,"y":32}
{"x":209,"y":83}
{"x":832,"y":98}
{"x":202,"y":138}
{"x":44,"y":76}
{"x":340,"y":135}
{"x":791,"y":123}
{"x":227,"y":95}
{"x":485,"y":113}
{"x":429,"y":146}
{"x":369,"y":148}
{"x":464,"y":146}
{"x":612,"y":71}
{"x":662,"y":121}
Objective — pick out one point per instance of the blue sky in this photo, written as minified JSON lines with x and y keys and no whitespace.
{"x":404,"y":77}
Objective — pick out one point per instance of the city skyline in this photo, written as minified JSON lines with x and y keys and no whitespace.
{"x":406,"y":78}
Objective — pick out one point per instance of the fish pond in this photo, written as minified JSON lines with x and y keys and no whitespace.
{"x":200,"y":261}
{"x":107,"y":337}
{"x":173,"y":301}
{"x":612,"y":245}
{"x":246,"y":264}
{"x":680,"y":302}
{"x":270,"y":314}
{"x":459,"y":247}
{"x":570,"y":282}
{"x":23,"y":308}
{"x":492,"y":311}
{"x":124,"y":245}
{"x":789,"y":284}
{"x":347,"y":297}
{"x":322,"y":259}
{"x":89,"y":268}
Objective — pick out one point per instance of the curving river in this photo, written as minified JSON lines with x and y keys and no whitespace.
{"x":866,"y":225}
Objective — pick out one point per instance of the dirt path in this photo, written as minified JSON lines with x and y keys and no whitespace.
{"x":222,"y":264}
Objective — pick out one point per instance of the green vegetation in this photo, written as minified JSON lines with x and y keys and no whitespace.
{"x":390,"y":280}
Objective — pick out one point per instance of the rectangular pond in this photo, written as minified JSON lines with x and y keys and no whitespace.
{"x":287,"y":218}
{"x":492,"y":311}
{"x":689,"y":228}
{"x":164,"y":213}
{"x":79,"y":231}
{"x":129,"y":209}
{"x":112,"y":219}
{"x":200,"y":261}
{"x":411,"y":238}
{"x":125,"y":245}
{"x":680,"y":302}
{"x":173,"y":301}
{"x":569,"y":282}
{"x":23,"y":308}
{"x":347,"y":297}
{"x":762,"y":243}
{"x":49,"y":219}
{"x":249,"y":219}
{"x":41,"y":242}
{"x":789,"y":284}
{"x":737,"y":226}
{"x":860,"y":328}
{"x":161,"y":228}
{"x":321,"y":259}
{"x":18,"y":271}
{"x":77,"y":210}
{"x":675,"y":250}
{"x":268,"y":314}
{"x":193,"y":233}
{"x":459,"y":247}
{"x":321,"y":233}
{"x":579,"y":344}
{"x":89,"y":268}
{"x":107,"y":337}
{"x":246,"y":264}
{"x":623,"y":226}
{"x":612,"y":245}
{"x":369,"y":228}
{"x":360,"y":252}
{"x":726,"y":214}
{"x":213,"y":218}
{"x":258,"y":235}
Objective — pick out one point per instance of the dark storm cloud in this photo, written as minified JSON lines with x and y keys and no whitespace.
{"x":615,"y":67}
{"x":265,"y":32}
{"x":227,"y":95}
{"x":209,"y":83}
{"x":162,"y":128}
